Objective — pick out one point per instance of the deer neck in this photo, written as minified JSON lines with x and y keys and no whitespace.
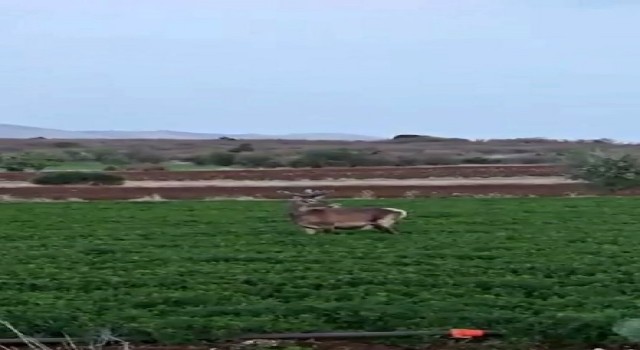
{"x":295,"y":209}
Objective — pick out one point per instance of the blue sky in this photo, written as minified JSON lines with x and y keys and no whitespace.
{"x":467,"y":68}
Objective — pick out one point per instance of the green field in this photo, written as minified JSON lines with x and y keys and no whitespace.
{"x":540,"y":269}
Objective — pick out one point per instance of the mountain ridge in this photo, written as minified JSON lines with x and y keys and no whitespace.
{"x":12,"y":131}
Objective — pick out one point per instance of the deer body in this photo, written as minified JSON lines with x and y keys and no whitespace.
{"x":316,"y":216}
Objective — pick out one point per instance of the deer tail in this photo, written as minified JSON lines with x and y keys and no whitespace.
{"x":403,"y":213}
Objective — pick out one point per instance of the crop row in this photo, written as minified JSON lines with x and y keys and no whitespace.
{"x":181,"y":271}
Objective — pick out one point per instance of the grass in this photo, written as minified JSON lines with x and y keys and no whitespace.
{"x":539,"y":269}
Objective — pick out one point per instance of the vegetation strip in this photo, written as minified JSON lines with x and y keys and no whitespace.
{"x":454,"y":333}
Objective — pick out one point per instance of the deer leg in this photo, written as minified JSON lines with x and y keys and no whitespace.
{"x":386,"y":224}
{"x":310,"y":231}
{"x":392,"y":230}
{"x":388,"y":229}
{"x":328,"y":229}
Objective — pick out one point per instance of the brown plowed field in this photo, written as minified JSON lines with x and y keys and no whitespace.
{"x":331,"y":173}
{"x":104,"y":193}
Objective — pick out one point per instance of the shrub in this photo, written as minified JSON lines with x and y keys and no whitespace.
{"x":243,"y":147}
{"x":28,"y":161}
{"x":111,"y":168}
{"x":78,"y":177}
{"x":259,"y":161}
{"x":144,"y":156}
{"x":214,"y":158}
{"x":78,"y":156}
{"x":221,"y":158}
{"x":109,"y":156}
{"x":605,"y":171}
{"x":337,"y":158}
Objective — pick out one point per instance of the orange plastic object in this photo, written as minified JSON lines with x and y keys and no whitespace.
{"x":466,"y":333}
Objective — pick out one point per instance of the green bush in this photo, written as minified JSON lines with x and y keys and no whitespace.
{"x":337,"y":158}
{"x":144,"y":156}
{"x":109,"y":156}
{"x":243,"y":147}
{"x":78,"y":177}
{"x":222,"y":158}
{"x":605,"y":171}
{"x":215,"y":158}
{"x":28,"y":161}
{"x":78,"y":155}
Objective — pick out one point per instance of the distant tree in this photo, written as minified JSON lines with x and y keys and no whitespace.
{"x":426,"y":138}
{"x":406,"y":136}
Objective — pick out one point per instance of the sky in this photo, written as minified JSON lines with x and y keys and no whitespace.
{"x":460,"y":68}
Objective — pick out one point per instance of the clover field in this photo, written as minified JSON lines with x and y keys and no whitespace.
{"x":538,"y":269}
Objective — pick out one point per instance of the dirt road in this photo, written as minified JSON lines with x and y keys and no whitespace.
{"x":443,"y":181}
{"x":405,"y":191}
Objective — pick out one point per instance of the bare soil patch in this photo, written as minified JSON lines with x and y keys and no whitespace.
{"x":540,"y":180}
{"x":477,"y":171}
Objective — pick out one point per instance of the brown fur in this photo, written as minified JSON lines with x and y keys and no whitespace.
{"x":313,"y":214}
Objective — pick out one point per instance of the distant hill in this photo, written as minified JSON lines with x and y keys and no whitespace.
{"x":8,"y":131}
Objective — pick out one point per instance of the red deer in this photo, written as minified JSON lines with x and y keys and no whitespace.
{"x":309,"y":211}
